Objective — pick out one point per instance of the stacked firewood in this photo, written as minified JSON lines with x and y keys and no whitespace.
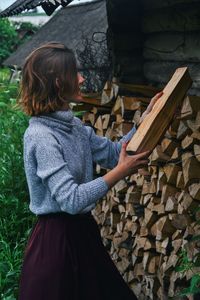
{"x":147,"y":218}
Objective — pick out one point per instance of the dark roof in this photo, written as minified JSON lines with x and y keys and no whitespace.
{"x":68,"y":26}
{"x":20,"y":5}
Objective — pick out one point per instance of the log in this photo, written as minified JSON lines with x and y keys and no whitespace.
{"x":173,"y":47}
{"x":162,"y":180}
{"x":176,"y":154}
{"x":158,"y":156}
{"x":169,"y":146}
{"x":180,"y":184}
{"x":156,"y":122}
{"x":186,"y":202}
{"x":188,"y":142}
{"x":160,"y":71}
{"x":191,"y":168}
{"x":173,"y":128}
{"x":171,"y":204}
{"x":190,"y":107}
{"x":180,"y":221}
{"x":143,"y":90}
{"x":93,"y":99}
{"x":167,"y":191}
{"x":197,"y":152}
{"x":183,"y":130}
{"x":162,"y":228}
{"x":194,"y":190}
{"x":193,"y":125}
{"x":129,"y":103}
{"x":170,"y":20}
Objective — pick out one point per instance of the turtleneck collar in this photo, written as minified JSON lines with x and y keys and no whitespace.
{"x":62,"y":119}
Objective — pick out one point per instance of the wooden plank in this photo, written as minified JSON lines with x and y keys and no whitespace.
{"x":156,"y":122}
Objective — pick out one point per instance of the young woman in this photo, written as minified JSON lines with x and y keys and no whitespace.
{"x":65,"y":258}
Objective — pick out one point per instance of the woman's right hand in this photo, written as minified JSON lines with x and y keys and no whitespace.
{"x":127,"y":165}
{"x":131,"y":163}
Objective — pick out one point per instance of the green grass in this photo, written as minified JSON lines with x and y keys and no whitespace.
{"x":15,"y":218}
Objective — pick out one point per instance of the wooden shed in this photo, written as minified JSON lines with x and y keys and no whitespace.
{"x":148,"y":40}
{"x":151,"y":38}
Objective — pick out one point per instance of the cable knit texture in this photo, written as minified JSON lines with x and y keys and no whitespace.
{"x":59,"y":151}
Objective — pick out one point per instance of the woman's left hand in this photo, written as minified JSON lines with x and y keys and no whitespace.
{"x":151,"y":105}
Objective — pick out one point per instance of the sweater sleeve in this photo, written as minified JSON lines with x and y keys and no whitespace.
{"x":104,"y":151}
{"x":55,"y":175}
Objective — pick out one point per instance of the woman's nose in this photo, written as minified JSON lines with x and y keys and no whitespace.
{"x":81,"y":79}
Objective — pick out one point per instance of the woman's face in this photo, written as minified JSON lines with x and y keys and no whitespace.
{"x":81,"y":79}
{"x":78,"y":98}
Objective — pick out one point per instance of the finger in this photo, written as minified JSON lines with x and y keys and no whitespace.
{"x":157,"y":96}
{"x":123,"y":150}
{"x":142,"y":155}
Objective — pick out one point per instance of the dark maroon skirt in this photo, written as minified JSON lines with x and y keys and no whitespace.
{"x":65,"y":259}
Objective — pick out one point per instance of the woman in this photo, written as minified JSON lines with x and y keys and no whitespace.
{"x":65,"y":257}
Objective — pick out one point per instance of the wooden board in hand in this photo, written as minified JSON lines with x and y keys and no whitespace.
{"x":157,"y":121}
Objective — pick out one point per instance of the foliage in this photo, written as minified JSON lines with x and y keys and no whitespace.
{"x":12,"y":125}
{"x":8,"y":39}
{"x":25,"y":26}
{"x":15,"y":224}
{"x":15,"y":218}
{"x":186,"y":263}
{"x":25,"y":30}
{"x":11,"y":37}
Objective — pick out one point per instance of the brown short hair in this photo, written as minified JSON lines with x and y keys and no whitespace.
{"x":49,"y":79}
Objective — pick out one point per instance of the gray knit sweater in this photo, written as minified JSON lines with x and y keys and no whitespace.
{"x":59,"y":151}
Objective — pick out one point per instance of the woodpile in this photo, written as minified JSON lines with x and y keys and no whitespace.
{"x":147,"y":218}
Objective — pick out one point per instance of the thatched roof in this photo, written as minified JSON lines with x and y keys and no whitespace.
{"x":21,"y":5}
{"x":68,"y":26}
